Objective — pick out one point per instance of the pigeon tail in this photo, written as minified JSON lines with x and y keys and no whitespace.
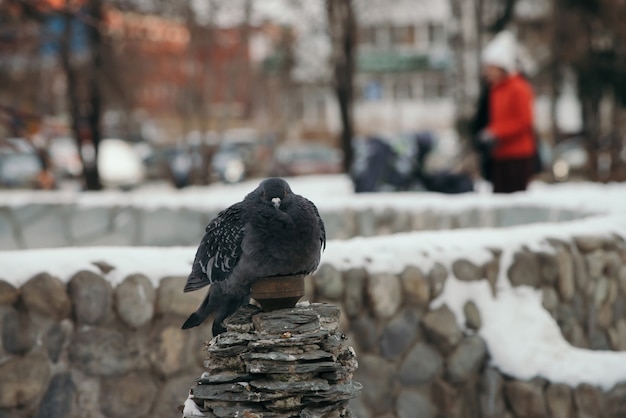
{"x":218,"y":302}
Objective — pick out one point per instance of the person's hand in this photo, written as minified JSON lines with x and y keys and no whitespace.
{"x":486,"y":137}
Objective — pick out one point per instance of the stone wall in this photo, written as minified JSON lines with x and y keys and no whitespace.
{"x":86,"y":349}
{"x":62,"y":225}
{"x":79,"y":347}
{"x":416,"y":361}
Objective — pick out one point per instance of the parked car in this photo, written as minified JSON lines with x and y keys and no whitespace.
{"x":569,"y":158}
{"x":242,"y":153}
{"x":304,"y":159}
{"x":119,"y":164}
{"x":65,"y":157}
{"x":20,"y":165}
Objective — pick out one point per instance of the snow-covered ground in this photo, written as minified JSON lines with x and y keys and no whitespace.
{"x":523,"y":339}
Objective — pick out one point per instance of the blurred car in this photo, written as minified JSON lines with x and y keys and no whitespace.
{"x":305,"y":159}
{"x":119,"y":164}
{"x":65,"y":157}
{"x":569,"y":158}
{"x":241,"y":153}
{"x":20,"y":164}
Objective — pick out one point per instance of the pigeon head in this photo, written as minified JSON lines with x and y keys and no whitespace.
{"x":274,"y":190}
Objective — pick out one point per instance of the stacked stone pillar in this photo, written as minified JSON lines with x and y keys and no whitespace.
{"x":286,"y":363}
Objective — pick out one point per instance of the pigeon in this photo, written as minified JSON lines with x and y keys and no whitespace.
{"x":271,"y":232}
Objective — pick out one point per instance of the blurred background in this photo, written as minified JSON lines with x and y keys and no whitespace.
{"x":100,"y":93}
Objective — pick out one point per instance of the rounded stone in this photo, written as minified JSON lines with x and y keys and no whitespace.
{"x":411,"y":404}
{"x":589,"y":400}
{"x":416,"y":286}
{"x":377,"y":377}
{"x":550,"y":299}
{"x":91,"y":295}
{"x":46,"y":295}
{"x":559,"y":400}
{"x":18,"y":333}
{"x":354,"y":290}
{"x":399,"y":334}
{"x":589,"y":243}
{"x":172,"y":350}
{"x":466,"y":359}
{"x":57,"y":402}
{"x":472,"y":316}
{"x":104,"y":352}
{"x":437,"y":277}
{"x":621,"y":277}
{"x":465,"y":270}
{"x":366,"y":333}
{"x":549,"y":267}
{"x":526,"y":398}
{"x":566,"y":283}
{"x":135,"y":299}
{"x":8,"y":293}
{"x":171,"y":394}
{"x":525,"y":270}
{"x":385,"y":294}
{"x":172,"y":300}
{"x":442,"y":328}
{"x":421,"y":365}
{"x":55,"y":338}
{"x":328,"y":282}
{"x":24,"y":380}
{"x":131,"y":395}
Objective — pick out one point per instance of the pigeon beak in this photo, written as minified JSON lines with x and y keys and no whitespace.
{"x":276,"y":202}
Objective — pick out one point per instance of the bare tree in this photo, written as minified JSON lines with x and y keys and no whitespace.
{"x":85,"y":104}
{"x":342,"y":27}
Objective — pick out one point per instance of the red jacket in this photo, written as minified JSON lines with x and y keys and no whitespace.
{"x":511,"y":118}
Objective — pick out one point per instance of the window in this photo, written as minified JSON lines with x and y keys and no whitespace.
{"x":403,"y":89}
{"x":403,"y":35}
{"x":372,"y":91}
{"x":367,"y":36}
{"x":436,"y":34}
{"x":435,"y":86}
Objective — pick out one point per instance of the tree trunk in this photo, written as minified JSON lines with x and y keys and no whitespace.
{"x":90,"y":171}
{"x":342,"y":25}
{"x":71,"y":77}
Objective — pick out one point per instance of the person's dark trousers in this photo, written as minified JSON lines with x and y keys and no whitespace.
{"x":509,"y":176}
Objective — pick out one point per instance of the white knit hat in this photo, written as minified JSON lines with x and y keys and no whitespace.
{"x":501,"y":51}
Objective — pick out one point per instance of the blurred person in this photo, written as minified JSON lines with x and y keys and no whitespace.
{"x":509,"y":131}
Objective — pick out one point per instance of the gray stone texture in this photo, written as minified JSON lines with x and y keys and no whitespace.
{"x":421,"y":365}
{"x":399,"y":333}
{"x":525,"y":270}
{"x":105,"y":352}
{"x":328,"y":283}
{"x":441,"y":327}
{"x":465,"y":361}
{"x":18,"y":332}
{"x":8,"y":293}
{"x":91,"y":296}
{"x":135,"y":300}
{"x":46,"y":295}
{"x":526,"y":398}
{"x":416,"y":286}
{"x":412,"y":403}
{"x":465,"y":270}
{"x":120,"y":395}
{"x":384,"y":293}
{"x":24,"y":380}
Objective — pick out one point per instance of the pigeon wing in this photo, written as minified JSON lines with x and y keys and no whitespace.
{"x":320,"y":222}
{"x":220,"y":249}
